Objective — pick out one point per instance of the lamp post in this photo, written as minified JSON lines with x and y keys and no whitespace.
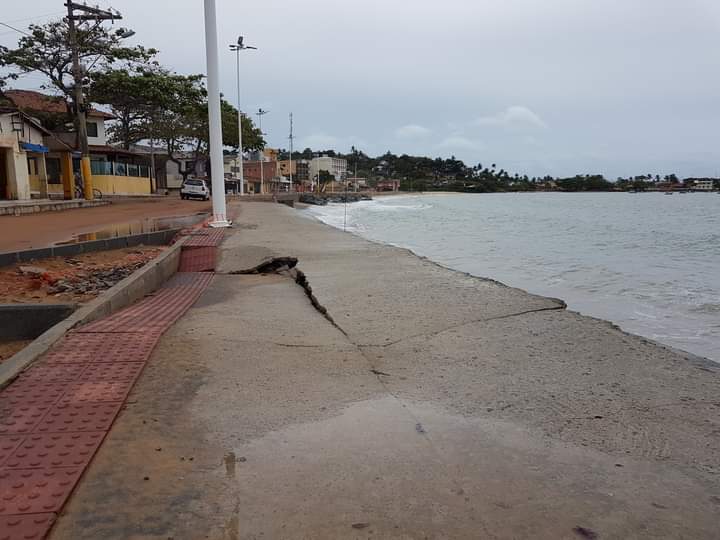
{"x":237,"y":47}
{"x":260,"y":114}
{"x":214,"y":121}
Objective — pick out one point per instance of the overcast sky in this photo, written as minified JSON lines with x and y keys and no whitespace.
{"x":537,"y":86}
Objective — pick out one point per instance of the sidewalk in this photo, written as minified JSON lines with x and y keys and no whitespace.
{"x":125,"y":217}
{"x":433,"y":405}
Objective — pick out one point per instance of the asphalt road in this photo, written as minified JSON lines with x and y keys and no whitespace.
{"x":127,"y":216}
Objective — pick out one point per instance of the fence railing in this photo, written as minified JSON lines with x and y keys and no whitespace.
{"x":112,"y":168}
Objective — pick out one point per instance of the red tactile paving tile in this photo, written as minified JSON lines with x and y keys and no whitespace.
{"x":29,"y":527}
{"x":8,"y":444}
{"x":199,"y":259}
{"x":112,"y":371}
{"x":80,"y":417}
{"x":51,"y":450}
{"x":53,"y":373}
{"x":24,"y":403}
{"x":204,"y":237}
{"x":97,"y":392}
{"x":79,"y":347}
{"x":197,"y":280}
{"x":36,"y":491}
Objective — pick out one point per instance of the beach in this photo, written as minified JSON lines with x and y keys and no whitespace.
{"x":371,"y":393}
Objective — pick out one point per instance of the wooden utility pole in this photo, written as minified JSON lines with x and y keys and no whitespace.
{"x":87,"y":13}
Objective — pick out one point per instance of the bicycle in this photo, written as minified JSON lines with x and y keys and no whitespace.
{"x":80,"y":193}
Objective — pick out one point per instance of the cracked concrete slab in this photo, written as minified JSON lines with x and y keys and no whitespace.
{"x":447,"y":407}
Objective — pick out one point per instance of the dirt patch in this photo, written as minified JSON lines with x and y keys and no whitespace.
{"x":75,"y":279}
{"x":9,"y":348}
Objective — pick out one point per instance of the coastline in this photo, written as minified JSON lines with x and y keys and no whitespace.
{"x":450,"y":303}
{"x":642,"y":303}
{"x":368,"y":390}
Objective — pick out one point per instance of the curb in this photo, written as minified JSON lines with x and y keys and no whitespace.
{"x":134,"y":287}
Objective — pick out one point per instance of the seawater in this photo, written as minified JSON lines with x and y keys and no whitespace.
{"x":648,"y":262}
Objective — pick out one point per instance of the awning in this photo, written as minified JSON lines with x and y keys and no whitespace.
{"x":30,"y":147}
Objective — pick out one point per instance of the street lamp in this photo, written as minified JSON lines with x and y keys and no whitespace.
{"x":237,"y":47}
{"x":260,"y":114}
{"x":214,"y":119}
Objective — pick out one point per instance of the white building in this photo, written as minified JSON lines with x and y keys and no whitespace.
{"x":337,"y":167}
{"x":23,"y":169}
{"x":703,"y":185}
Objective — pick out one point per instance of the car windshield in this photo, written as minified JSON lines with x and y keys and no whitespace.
{"x":193,"y":183}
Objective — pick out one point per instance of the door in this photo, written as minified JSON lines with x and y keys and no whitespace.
{"x":4,"y":183}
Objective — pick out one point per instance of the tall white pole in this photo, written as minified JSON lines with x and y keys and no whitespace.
{"x":240,"y":115}
{"x":262,"y":156}
{"x":291,"y":151}
{"x":215,"y":124}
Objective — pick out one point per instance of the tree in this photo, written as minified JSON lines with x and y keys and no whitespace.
{"x":138,"y":97}
{"x":324,"y":178}
{"x":46,"y":50}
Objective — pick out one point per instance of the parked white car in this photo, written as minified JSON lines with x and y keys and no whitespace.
{"x":195,"y":189}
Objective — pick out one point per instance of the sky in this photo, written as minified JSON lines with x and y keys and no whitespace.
{"x":560,"y":87}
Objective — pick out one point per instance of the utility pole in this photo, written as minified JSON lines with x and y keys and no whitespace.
{"x":88,"y":13}
{"x":213,"y":83}
{"x":291,"y":151}
{"x":260,"y":114}
{"x":237,"y":47}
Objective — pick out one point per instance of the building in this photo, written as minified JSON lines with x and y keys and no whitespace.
{"x":703,"y":185}
{"x":388,"y":185}
{"x":24,"y":167}
{"x":337,"y":167}
{"x":115,"y":171}
{"x":260,"y":179}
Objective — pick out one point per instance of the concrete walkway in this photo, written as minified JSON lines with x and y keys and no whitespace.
{"x":433,"y":405}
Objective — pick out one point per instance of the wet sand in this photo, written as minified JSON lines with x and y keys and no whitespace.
{"x":424,"y":403}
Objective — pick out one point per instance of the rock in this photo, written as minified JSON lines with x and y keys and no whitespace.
{"x":35,"y":271}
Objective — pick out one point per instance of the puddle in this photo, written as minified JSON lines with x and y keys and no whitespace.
{"x":137,"y":227}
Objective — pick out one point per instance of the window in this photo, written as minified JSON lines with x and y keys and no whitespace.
{"x":32,"y":166}
{"x":92,"y":129}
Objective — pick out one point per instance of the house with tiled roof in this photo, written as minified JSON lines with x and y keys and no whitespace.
{"x":115,"y":171}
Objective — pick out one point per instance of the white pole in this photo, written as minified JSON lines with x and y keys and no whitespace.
{"x":215,"y":125}
{"x":240,"y":115}
{"x":262,"y":154}
{"x":291,"y":151}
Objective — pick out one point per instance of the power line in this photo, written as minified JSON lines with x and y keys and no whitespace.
{"x":37,"y":17}
{"x":13,"y":28}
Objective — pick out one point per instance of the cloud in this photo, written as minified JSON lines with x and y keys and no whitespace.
{"x":458,"y":142}
{"x":412,"y":131}
{"x":515,"y":117}
{"x":319,"y":141}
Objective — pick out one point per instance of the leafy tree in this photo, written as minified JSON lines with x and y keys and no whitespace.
{"x":139,"y":97}
{"x":46,"y":50}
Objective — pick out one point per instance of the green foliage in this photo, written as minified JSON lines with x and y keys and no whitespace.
{"x":46,"y":50}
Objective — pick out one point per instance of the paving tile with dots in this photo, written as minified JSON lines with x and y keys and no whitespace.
{"x":112,"y":371}
{"x":25,"y":403}
{"x":79,"y":417}
{"x":8,"y":444}
{"x":97,"y":391}
{"x":204,"y":237}
{"x":53,"y":373}
{"x":82,"y":348}
{"x":199,"y":259}
{"x":28,"y":527}
{"x":52,"y":450}
{"x":33,"y":491}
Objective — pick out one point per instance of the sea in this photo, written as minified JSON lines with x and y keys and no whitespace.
{"x":648,"y":262}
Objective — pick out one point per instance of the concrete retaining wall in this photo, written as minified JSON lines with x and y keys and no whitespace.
{"x":141,"y":283}
{"x":18,"y":208}
{"x":28,"y":321}
{"x":159,"y":238}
